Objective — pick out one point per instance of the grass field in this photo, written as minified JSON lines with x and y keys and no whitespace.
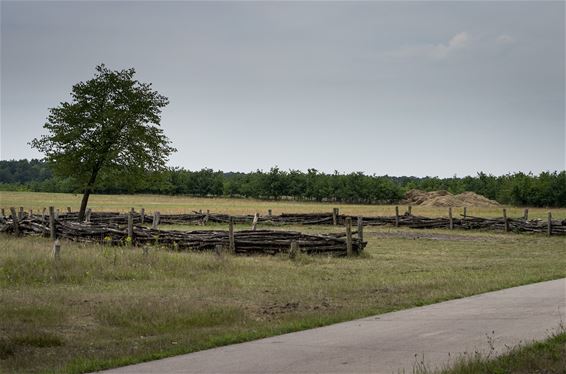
{"x":108,"y":306}
{"x":548,"y":357}
{"x":184,"y":204}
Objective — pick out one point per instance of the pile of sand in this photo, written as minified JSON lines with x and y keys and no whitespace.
{"x":446,"y":199}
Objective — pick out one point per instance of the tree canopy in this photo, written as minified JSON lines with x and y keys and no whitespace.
{"x":520,"y":189}
{"x":110,"y":126}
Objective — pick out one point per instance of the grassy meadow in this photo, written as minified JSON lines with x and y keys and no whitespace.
{"x":108,"y":306}
{"x":185,"y":204}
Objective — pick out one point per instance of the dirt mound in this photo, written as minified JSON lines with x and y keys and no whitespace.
{"x":446,"y":199}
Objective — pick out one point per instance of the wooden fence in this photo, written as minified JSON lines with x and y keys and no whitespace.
{"x":246,"y":241}
{"x":504,"y":223}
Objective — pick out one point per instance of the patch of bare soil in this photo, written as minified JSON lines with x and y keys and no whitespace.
{"x":446,"y":199}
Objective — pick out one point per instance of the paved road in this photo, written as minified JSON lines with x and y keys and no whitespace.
{"x":389,"y":342}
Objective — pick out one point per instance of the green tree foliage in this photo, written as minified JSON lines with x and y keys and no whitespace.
{"x":110,"y":129}
{"x":520,"y":189}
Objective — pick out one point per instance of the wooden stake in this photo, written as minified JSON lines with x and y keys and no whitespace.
{"x":155,"y":220}
{"x":231,"y":236}
{"x":218,"y":250}
{"x":269,"y":213}
{"x":360,"y":231}
{"x":505,"y":220}
{"x":57,"y":250}
{"x":349,"y":246}
{"x":526,"y":214}
{"x":131,"y":226}
{"x":465,"y":212}
{"x":88,"y":214}
{"x":334,"y":216}
{"x":549,"y":228}
{"x":294,"y":249}
{"x":68,"y":209}
{"x":3,"y":213}
{"x":21,"y":213}
{"x":450,"y":219}
{"x":254,"y":222}
{"x":16,"y":221}
{"x":396,"y":216}
{"x":142,"y":216}
{"x":52,"y":232}
{"x":409,"y":208}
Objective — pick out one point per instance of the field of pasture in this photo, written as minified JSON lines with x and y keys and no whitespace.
{"x":185,"y":204}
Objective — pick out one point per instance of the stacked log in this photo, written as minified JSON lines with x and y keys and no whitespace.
{"x":248,"y":241}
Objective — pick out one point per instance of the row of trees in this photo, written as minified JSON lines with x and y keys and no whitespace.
{"x":545,"y":189}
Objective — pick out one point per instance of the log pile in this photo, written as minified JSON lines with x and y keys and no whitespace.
{"x":246,"y":242}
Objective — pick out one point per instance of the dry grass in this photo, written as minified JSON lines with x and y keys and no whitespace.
{"x":184,"y":204}
{"x":108,"y":306}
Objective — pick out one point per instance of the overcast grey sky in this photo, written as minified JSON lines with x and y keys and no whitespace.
{"x":405,"y":88}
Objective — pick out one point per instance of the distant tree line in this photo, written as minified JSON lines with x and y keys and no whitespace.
{"x":548,"y":189}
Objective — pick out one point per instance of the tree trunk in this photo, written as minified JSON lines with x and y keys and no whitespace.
{"x":86,"y":194}
{"x":84,"y":203}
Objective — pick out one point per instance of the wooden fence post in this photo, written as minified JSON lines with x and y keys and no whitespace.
{"x":409,"y":209}
{"x":505,"y":220}
{"x":52,"y":231}
{"x":396,"y":216}
{"x":254,"y":222}
{"x":206,"y":217}
{"x":88,"y":214}
{"x":465,"y":212}
{"x":526,"y":214}
{"x":43,"y":215}
{"x":549,"y":228}
{"x":16,"y":221}
{"x":269,"y":213}
{"x":218,"y":250}
{"x":334,"y":216}
{"x":30,"y":214}
{"x":450,"y":219}
{"x":231,"y":238}
{"x":294,"y":249}
{"x":3,"y":213}
{"x":56,"y":213}
{"x":155,"y":220}
{"x":21,"y":213}
{"x":131,"y":226}
{"x":360,"y":230}
{"x":57,"y":250}
{"x":349,"y":247}
{"x":68,"y":209}
{"x":142,"y":216}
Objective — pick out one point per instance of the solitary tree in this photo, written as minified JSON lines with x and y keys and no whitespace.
{"x":110,"y":126}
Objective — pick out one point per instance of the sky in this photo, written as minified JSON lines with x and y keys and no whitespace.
{"x":398,"y":88}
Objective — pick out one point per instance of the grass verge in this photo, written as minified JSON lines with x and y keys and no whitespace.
{"x":548,"y":357}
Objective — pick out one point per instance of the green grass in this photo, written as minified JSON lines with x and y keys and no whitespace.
{"x":548,"y":357}
{"x":184,"y":204}
{"x":100,"y":306}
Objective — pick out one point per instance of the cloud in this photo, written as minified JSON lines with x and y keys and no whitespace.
{"x":504,"y":39}
{"x":433,"y":51}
